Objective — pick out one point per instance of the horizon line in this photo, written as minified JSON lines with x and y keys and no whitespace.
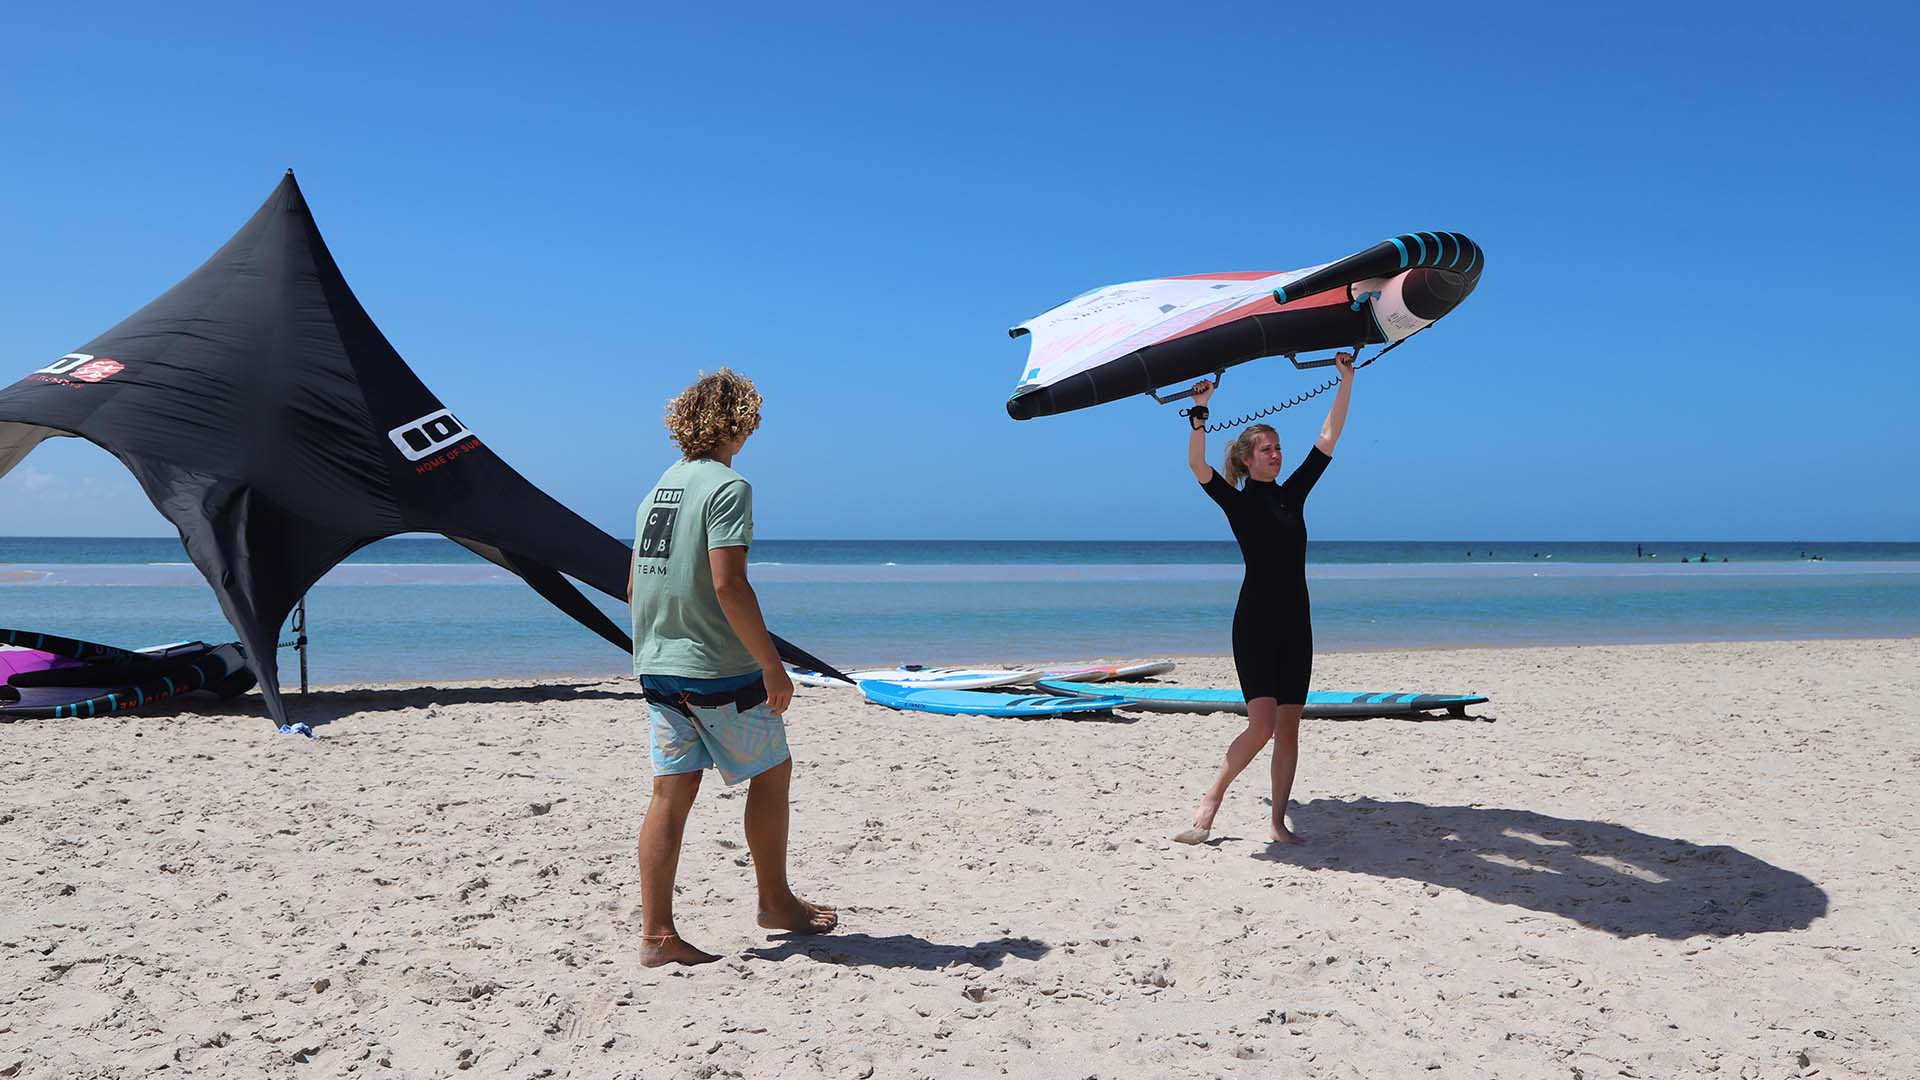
{"x":1110,"y":540}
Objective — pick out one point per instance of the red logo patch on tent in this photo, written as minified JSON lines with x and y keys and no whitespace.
{"x":96,"y":370}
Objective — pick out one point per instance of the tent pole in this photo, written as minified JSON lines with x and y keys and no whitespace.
{"x":300,"y":638}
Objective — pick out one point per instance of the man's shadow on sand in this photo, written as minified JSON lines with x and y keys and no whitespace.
{"x":1604,"y":876}
{"x":900,"y":951}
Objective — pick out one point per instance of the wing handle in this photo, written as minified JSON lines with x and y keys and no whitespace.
{"x":1188,"y":392}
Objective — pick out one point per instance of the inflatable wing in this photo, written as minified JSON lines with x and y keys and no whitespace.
{"x":1128,"y":339}
{"x":42,"y":675}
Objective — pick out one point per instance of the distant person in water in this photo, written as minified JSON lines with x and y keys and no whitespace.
{"x":1273,"y":621}
{"x":714,"y":684}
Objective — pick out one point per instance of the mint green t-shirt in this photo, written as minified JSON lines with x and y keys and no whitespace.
{"x":678,"y":626}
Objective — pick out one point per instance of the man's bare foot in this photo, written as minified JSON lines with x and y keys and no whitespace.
{"x":799,"y":917}
{"x":659,"y":950}
{"x":1195,"y":835}
{"x":1280,"y":834}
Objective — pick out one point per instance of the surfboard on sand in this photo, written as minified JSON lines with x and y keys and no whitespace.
{"x":1321,"y":704}
{"x":1092,"y":673}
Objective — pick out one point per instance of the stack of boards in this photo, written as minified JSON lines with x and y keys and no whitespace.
{"x":979,"y":703}
{"x":959,"y":691}
{"x":46,"y":676}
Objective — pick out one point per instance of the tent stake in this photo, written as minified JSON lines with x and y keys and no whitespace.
{"x":300,"y":638}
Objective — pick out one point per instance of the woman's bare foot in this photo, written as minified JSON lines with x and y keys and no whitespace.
{"x":1280,"y":834}
{"x":1202,"y":822}
{"x":659,"y":950}
{"x":799,"y":917}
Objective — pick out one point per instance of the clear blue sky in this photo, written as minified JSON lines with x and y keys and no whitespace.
{"x":1699,"y":223}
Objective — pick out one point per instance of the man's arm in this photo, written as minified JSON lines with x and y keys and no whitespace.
{"x":742,"y":608}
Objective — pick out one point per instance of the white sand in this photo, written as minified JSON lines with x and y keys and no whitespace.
{"x":1653,"y":861}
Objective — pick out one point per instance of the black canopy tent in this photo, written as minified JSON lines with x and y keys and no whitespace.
{"x":272,"y":423}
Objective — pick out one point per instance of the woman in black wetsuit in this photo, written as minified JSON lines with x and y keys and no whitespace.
{"x":1273,"y":623}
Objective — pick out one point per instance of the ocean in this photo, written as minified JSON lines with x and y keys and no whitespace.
{"x":421,"y":609}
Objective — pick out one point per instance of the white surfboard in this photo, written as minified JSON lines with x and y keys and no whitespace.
{"x":1132,"y":669}
{"x":918,"y":677}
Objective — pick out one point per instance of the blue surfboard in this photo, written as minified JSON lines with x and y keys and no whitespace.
{"x":1321,"y":704}
{"x":982,"y":703}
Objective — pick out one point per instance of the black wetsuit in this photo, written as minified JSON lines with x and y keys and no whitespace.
{"x":1273,"y":622}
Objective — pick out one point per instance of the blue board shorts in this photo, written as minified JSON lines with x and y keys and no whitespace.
{"x":713,"y":723}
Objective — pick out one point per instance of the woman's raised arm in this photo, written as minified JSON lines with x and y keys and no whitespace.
{"x":1337,"y":415}
{"x":1197,"y":442}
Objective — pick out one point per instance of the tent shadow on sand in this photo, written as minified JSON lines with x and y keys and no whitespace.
{"x":900,"y":951}
{"x":319,"y":707}
{"x":1601,"y":875}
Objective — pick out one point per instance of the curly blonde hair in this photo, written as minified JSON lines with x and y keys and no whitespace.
{"x":717,"y":409}
{"x":1241,"y":448}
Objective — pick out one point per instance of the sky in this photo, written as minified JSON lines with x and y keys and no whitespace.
{"x":1697,"y":221}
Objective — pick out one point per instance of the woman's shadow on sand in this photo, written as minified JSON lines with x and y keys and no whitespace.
{"x":1604,"y":876}
{"x":901,"y":951}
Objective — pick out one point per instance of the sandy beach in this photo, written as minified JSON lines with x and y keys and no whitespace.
{"x":1649,"y":861}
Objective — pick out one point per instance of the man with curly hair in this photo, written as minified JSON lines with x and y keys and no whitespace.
{"x":714,"y":684}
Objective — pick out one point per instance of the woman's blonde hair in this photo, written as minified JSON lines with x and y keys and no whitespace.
{"x":716,"y":410}
{"x":1241,"y":448}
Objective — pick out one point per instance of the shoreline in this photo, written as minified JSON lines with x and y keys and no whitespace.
{"x":1184,"y":662}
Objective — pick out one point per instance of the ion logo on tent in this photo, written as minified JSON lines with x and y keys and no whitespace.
{"x":424,"y":436}
{"x":84,"y":367}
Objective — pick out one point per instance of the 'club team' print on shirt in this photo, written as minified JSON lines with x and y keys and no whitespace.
{"x":656,"y":537}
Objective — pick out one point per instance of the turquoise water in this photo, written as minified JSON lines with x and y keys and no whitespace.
{"x":421,"y":609}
